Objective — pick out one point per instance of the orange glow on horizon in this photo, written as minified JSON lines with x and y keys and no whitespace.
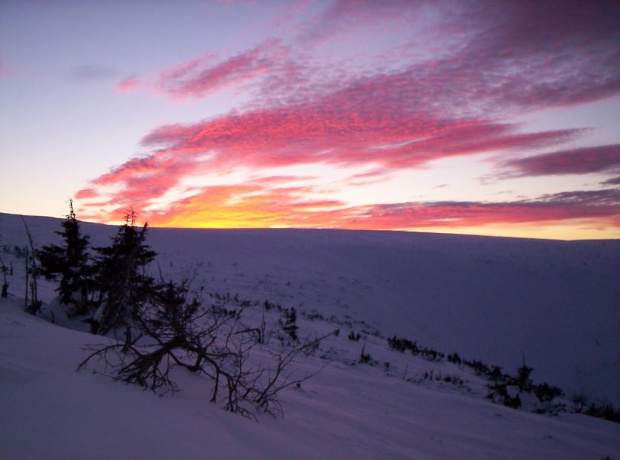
{"x":567,"y":231}
{"x":248,"y":207}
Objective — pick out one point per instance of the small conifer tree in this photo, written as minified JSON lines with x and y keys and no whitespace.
{"x":523,"y":377}
{"x":121,"y":275}
{"x":70,"y":262}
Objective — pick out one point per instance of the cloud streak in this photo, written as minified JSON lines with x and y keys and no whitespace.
{"x":587,"y":160}
{"x":601,"y":205}
{"x":201,"y":77}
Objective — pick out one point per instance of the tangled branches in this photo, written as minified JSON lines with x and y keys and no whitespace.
{"x":171,"y":330}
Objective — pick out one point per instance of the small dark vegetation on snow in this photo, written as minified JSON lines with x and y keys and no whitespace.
{"x":164,"y":324}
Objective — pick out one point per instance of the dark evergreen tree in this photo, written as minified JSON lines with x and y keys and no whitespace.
{"x":70,"y":262}
{"x":121,"y":277}
{"x":523,"y":378}
{"x":5,"y":283}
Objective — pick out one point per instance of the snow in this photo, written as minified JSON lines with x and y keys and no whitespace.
{"x":493,"y":299}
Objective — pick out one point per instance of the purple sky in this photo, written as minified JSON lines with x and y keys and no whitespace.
{"x":486,"y":117}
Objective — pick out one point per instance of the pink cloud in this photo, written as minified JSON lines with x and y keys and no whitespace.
{"x":370,"y":177}
{"x":498,"y":59}
{"x":200,"y":77}
{"x":278,"y":180}
{"x":128,"y":85}
{"x":331,"y":133}
{"x":586,"y":160}
{"x":86,"y":193}
{"x":140,"y":181}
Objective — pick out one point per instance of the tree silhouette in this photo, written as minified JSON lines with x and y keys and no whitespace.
{"x":70,"y":262}
{"x":121,"y":276}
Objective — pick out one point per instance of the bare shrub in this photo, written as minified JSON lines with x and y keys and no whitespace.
{"x":173,"y":329}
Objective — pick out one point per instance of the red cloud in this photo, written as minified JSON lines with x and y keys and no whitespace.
{"x":128,"y":85}
{"x":605,"y":158}
{"x":326,"y":134}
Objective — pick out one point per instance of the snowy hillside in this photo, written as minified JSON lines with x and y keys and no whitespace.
{"x":491,"y":299}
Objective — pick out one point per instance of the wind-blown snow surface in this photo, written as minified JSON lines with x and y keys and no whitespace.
{"x":497,"y":300}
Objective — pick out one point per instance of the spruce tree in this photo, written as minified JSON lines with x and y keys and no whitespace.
{"x":121,"y":275}
{"x":70,"y":262}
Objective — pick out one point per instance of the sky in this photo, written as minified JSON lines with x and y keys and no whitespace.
{"x":475,"y":117}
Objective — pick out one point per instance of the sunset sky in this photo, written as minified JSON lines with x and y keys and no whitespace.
{"x":479,"y":117}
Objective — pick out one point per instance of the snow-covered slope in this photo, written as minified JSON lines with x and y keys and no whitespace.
{"x":493,"y":299}
{"x":51,"y":412}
